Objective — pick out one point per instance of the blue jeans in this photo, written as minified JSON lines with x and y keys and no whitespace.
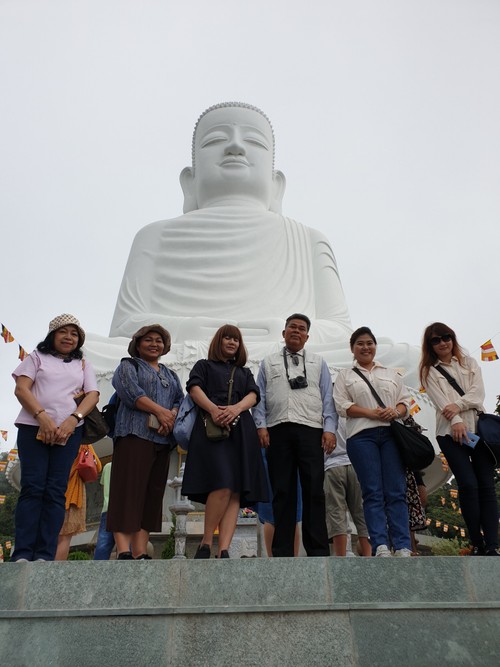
{"x":105,"y":541}
{"x":41,"y":505}
{"x":381,"y":475}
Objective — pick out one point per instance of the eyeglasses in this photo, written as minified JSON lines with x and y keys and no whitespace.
{"x":435,"y":340}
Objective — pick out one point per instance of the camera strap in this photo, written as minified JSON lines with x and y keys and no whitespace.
{"x":285,"y":362}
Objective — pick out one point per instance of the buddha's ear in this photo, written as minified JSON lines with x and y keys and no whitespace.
{"x":187,"y":184}
{"x":279,"y":185}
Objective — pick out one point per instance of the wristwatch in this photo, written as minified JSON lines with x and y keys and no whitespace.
{"x":77,"y":415}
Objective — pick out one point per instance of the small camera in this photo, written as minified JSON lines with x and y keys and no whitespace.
{"x":299,"y":382}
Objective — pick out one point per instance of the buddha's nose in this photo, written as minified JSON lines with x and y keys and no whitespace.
{"x":235,"y":145}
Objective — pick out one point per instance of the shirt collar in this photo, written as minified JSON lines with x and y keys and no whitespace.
{"x":445,"y":363}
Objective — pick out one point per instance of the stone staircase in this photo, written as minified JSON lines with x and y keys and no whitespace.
{"x":252,"y":612}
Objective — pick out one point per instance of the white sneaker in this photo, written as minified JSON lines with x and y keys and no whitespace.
{"x":402,"y":553}
{"x":383,"y":551}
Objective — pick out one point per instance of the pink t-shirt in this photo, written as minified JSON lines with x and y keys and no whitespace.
{"x":55,"y":384}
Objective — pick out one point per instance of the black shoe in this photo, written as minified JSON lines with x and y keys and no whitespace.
{"x":125,"y":555}
{"x":478,"y":551}
{"x":203,"y":551}
{"x":223,"y":554}
{"x":492,"y":552}
{"x":143,"y":557}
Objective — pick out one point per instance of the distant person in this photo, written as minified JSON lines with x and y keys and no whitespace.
{"x":371,"y":446}
{"x":105,"y":539}
{"x":296,"y":423}
{"x":456,"y":416}
{"x":150,"y":395}
{"x":223,"y":474}
{"x":75,"y":517}
{"x":343,"y":494}
{"x":50,"y":431}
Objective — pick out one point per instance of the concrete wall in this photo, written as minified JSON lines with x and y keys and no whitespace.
{"x":273,"y":612}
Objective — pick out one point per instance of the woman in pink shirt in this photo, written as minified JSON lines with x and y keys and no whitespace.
{"x":49,"y":433}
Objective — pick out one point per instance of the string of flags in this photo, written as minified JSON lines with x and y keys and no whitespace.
{"x":4,"y":434}
{"x":9,"y":338}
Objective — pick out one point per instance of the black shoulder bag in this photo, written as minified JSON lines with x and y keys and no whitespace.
{"x":415,"y":449}
{"x":488,"y":426}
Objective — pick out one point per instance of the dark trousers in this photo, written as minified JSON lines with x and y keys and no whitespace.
{"x":41,"y":505}
{"x":474,"y":472}
{"x":294,"y":447}
{"x":138,"y":480}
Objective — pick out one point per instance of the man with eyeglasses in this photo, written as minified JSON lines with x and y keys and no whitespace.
{"x":296,"y":422}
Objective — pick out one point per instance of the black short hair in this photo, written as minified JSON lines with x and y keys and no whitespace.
{"x":361,"y":331}
{"x":299,"y":316}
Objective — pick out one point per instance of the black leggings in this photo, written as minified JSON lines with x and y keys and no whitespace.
{"x":474,"y":472}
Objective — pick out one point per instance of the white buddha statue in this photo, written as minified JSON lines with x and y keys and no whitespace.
{"x":232,"y":257}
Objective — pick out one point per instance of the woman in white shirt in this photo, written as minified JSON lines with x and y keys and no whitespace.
{"x":456,"y":418}
{"x":370,"y":445}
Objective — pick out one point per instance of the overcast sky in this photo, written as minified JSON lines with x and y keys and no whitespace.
{"x":386,"y":121}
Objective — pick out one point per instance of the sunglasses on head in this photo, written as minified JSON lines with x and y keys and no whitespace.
{"x":435,"y":340}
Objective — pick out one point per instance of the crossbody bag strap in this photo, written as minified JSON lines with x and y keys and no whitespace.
{"x":231,"y":380}
{"x":450,"y":379}
{"x":372,"y":389}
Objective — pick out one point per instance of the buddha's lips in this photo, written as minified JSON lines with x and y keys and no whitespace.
{"x":234,"y":160}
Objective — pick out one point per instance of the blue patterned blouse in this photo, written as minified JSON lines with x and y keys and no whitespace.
{"x":162,"y":387}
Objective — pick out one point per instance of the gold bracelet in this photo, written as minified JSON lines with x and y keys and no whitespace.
{"x":38,"y":412}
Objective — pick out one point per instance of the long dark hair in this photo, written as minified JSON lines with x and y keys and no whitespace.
{"x":429,"y":356}
{"x":46,"y":346}
{"x":215,"y":349}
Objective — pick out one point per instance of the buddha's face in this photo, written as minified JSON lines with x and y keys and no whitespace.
{"x":233,"y":158}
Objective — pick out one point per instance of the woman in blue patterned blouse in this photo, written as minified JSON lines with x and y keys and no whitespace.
{"x":149,"y":397}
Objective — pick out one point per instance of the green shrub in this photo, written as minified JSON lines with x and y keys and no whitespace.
{"x":79,"y":555}
{"x":169,"y":548}
{"x":447,"y":548}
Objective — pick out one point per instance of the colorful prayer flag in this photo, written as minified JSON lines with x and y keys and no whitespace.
{"x":462,"y":532}
{"x":414,"y":407}
{"x":2,"y":499}
{"x":22,"y":353}
{"x":4,"y":434}
{"x":6,"y":335}
{"x":3,"y":465}
{"x":8,"y":544}
{"x":453,"y":493}
{"x":12,"y":455}
{"x":488,"y":352}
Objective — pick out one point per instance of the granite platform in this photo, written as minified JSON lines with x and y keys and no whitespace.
{"x":252,"y":612}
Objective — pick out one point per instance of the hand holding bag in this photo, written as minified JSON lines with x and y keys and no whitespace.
{"x":488,"y":426}
{"x":414,"y":447}
{"x":213,"y":431}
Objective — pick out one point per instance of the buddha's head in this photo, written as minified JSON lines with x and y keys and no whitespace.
{"x":233,"y":160}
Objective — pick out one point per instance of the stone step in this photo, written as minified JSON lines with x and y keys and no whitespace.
{"x":246,"y":612}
